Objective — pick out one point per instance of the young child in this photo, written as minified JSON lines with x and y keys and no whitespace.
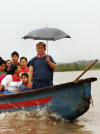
{"x":24,"y":85}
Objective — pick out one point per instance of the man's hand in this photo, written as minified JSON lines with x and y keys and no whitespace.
{"x":48,"y":59}
{"x":51,"y":65}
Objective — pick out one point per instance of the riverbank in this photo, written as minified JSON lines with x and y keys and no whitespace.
{"x":76,"y":66}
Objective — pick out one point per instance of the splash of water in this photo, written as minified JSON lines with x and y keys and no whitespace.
{"x":37,"y":114}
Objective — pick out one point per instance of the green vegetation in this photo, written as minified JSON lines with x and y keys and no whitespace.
{"x":76,"y":66}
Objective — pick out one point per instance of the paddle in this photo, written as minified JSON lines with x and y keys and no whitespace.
{"x":85,"y":70}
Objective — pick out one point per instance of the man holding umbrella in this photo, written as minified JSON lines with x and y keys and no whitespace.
{"x":41,"y":68}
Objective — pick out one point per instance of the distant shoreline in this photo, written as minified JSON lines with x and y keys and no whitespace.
{"x":76,"y":66}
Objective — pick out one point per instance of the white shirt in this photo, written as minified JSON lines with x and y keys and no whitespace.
{"x":9,"y":84}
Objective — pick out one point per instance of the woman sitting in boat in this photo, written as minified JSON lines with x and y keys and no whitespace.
{"x":2,"y":69}
{"x":12,"y":81}
{"x":23,"y":64}
{"x":25,"y":80}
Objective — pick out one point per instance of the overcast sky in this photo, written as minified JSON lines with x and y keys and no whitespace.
{"x":78,"y":18}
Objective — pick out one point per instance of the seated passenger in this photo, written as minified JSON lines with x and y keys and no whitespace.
{"x":23,"y":64}
{"x":12,"y":81}
{"x":15,"y":57}
{"x":8,"y":63}
{"x":2,"y":69}
{"x":24,"y":85}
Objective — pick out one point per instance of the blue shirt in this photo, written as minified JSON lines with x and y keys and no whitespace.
{"x":42,"y":71}
{"x":23,"y":88}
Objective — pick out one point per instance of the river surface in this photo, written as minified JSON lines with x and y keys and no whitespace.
{"x":23,"y":122}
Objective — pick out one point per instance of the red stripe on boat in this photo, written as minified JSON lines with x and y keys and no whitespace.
{"x":34,"y":102}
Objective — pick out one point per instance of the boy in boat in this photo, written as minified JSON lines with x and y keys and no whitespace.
{"x":24,"y":85}
{"x":41,"y":68}
{"x":15,"y":57}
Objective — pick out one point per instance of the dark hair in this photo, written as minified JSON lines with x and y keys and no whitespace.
{"x":41,"y":43}
{"x":13,"y":68}
{"x":24,"y":74}
{"x":8,"y":60}
{"x":15,"y":53}
{"x":2,"y":62}
{"x":23,"y":58}
{"x":0,"y":58}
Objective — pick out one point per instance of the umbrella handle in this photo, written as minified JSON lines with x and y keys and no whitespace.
{"x":85,"y":70}
{"x":47,"y":46}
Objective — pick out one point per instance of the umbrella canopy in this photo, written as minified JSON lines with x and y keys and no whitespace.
{"x":46,"y":34}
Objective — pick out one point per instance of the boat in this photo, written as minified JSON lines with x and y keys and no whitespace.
{"x":68,"y":100}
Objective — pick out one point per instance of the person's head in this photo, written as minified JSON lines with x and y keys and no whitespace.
{"x":40,"y":47}
{"x":15,"y":57}
{"x":14,"y":69}
{"x":23,"y":62}
{"x":24,"y":77}
{"x":2,"y":65}
{"x":8,"y":62}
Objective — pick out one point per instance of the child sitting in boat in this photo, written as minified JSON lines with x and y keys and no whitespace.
{"x":24,"y":85}
{"x":12,"y":81}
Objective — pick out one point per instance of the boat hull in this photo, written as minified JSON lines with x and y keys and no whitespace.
{"x":68,"y":100}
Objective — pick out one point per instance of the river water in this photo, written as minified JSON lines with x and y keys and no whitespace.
{"x":23,"y":122}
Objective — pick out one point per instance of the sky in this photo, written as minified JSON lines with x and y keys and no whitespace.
{"x":78,"y":18}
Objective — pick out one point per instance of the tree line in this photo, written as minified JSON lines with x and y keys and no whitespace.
{"x":76,"y":66}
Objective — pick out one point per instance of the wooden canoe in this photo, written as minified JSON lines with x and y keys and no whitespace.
{"x":68,"y":100}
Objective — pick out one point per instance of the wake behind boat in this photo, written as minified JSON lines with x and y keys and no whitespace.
{"x":69,"y":100}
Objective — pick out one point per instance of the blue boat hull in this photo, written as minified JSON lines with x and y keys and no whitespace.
{"x":68,"y":100}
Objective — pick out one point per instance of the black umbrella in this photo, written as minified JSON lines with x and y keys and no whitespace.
{"x":46,"y":34}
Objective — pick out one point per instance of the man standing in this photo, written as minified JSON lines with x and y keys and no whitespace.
{"x":41,"y":68}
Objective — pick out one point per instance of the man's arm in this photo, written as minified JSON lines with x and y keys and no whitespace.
{"x":30,"y":76}
{"x":51,"y":64}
